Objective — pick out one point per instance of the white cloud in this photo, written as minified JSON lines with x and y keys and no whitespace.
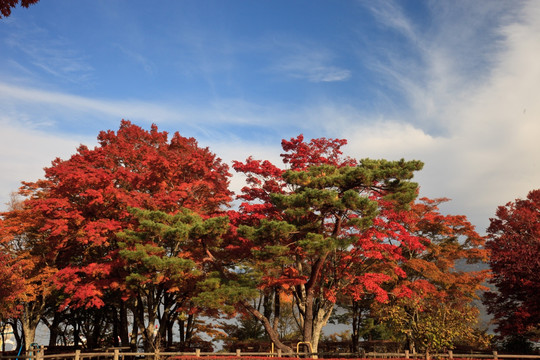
{"x":62,"y":102}
{"x":389,"y":139}
{"x":240,"y":150}
{"x":308,"y":62}
{"x":33,"y":125}
{"x":53,"y":55}
{"x":389,"y":13}
{"x":26,"y":151}
{"x":27,"y":148}
{"x":501,"y":121}
{"x":487,"y":122}
{"x":474,"y":116}
{"x":312,"y":70}
{"x":143,"y":61}
{"x":59,"y":107}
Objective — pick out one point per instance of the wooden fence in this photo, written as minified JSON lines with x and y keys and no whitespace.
{"x":117,"y":354}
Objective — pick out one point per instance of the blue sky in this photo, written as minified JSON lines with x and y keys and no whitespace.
{"x":455,"y":84}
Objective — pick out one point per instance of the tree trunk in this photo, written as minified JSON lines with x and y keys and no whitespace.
{"x":189,"y":327}
{"x":356,"y":320}
{"x":150,"y":336}
{"x":134,"y":328}
{"x":277,"y":310}
{"x":147,"y":330}
{"x":29,"y":335}
{"x":274,"y":336}
{"x":76,"y":332}
{"x":170,"y":334}
{"x":123,"y":325}
{"x":115,"y":326}
{"x":309,"y":301}
{"x":93,"y":337}
{"x":29,"y":320}
{"x":19,"y":337}
{"x":181,"y":326}
{"x":320,"y":322}
{"x":54,"y":329}
{"x":307,"y":330}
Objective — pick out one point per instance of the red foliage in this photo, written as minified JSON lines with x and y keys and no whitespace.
{"x":12,"y":286}
{"x":514,"y":242}
{"x":433,"y":276}
{"x":309,"y":224}
{"x":6,"y":5}
{"x":300,"y":155}
{"x":83,"y":202}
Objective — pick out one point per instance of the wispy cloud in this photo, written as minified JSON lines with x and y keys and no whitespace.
{"x":312,"y":69}
{"x":391,"y":15}
{"x":438,"y":66}
{"x":52,"y":55}
{"x":31,"y":102}
{"x":474,"y":115}
{"x":307,"y":62}
{"x":143,"y":61}
{"x":38,"y":126}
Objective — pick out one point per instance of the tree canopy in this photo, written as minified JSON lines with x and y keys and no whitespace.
{"x":305,"y":229}
{"x":514,"y":242}
{"x":140,"y":227}
{"x":71,"y":218}
{"x":439,"y":311}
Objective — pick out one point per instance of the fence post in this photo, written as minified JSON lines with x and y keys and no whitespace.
{"x":279,"y":353}
{"x":495,"y":355}
{"x":406,"y":354}
{"x":39,"y":352}
{"x":238,"y":351}
{"x":77,"y":354}
{"x":450,"y":354}
{"x":156,"y":354}
{"x":197,"y":352}
{"x":116,"y":351}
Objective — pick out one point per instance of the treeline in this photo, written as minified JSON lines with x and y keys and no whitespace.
{"x":136,"y":242}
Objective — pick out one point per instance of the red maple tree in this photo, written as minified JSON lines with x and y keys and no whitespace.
{"x":11,"y":288}
{"x":442,"y":280}
{"x":514,"y":242}
{"x":29,"y":277}
{"x":73,"y":215}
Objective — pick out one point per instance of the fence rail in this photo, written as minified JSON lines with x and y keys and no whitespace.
{"x":116,"y":354}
